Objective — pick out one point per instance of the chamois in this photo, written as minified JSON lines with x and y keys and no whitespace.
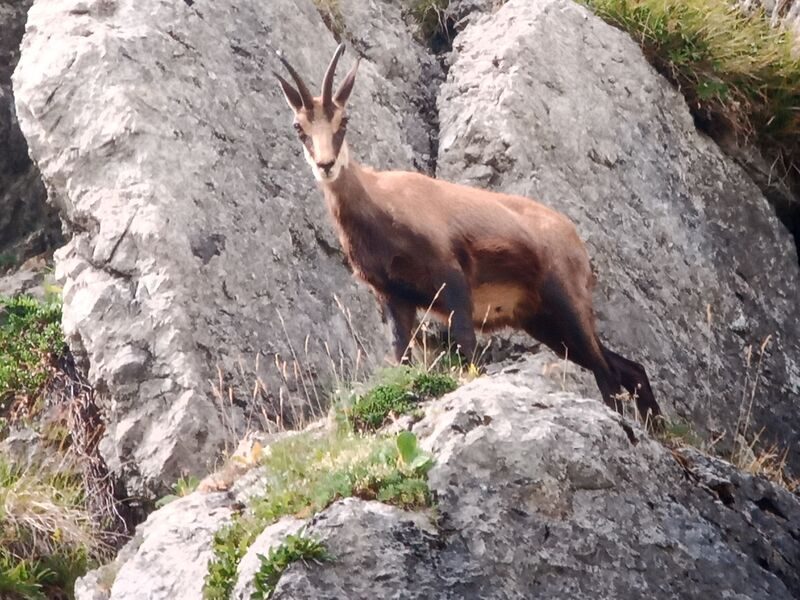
{"x":477,"y":258}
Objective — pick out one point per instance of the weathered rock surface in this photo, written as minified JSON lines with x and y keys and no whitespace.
{"x":27,"y":225}
{"x":201,"y":241}
{"x":545,"y":100}
{"x":168,"y":556}
{"x":541,"y":493}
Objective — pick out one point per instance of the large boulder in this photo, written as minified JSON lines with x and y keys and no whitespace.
{"x":697,"y":278}
{"x":544,"y":494}
{"x":202,"y":251}
{"x":540,"y":494}
{"x":27,"y":225}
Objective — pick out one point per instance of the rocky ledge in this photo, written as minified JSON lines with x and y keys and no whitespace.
{"x":539,"y":493}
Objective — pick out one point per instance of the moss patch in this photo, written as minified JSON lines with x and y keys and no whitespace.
{"x":397,"y":391}
{"x":331,"y":16}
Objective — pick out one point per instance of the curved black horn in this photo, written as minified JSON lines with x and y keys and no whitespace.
{"x":305,"y":95}
{"x":327,"y":83}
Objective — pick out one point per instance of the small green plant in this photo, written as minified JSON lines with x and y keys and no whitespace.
{"x":399,"y":391}
{"x":677,"y":433}
{"x":30,"y":332}
{"x":293,"y":549}
{"x":183,"y":487}
{"x":305,"y":474}
{"x":229,"y":546}
{"x":7,"y":261}
{"x":410,"y":455}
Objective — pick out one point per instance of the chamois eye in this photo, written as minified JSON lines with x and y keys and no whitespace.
{"x":300,"y":132}
{"x":343,"y":122}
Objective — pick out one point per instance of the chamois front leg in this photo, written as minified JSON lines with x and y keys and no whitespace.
{"x":457,"y":304}
{"x":402,"y":316}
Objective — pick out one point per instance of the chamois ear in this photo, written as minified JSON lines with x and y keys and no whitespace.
{"x":343,"y":93}
{"x":293,"y":98}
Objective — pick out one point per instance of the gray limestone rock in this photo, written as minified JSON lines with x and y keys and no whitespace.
{"x":544,"y":494}
{"x":168,"y":557}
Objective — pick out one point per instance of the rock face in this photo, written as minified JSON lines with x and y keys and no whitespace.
{"x":203,"y":261}
{"x":168,"y":556}
{"x":27,"y":225}
{"x":201,"y":241}
{"x":541,"y":494}
{"x":695,"y":273}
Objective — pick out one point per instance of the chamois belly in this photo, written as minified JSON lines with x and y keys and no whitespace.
{"x":496,"y":305}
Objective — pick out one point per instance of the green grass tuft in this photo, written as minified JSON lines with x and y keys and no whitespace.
{"x":305,"y":474}
{"x":735,"y":70}
{"x":183,"y":487}
{"x":293,"y":549}
{"x":398,"y":391}
{"x":47,"y":539}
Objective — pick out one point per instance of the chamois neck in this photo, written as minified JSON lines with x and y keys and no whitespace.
{"x":346,"y":193}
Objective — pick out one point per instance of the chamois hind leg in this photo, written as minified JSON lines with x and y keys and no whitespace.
{"x":634,"y":379}
{"x":584,"y":351}
{"x":568,"y":330}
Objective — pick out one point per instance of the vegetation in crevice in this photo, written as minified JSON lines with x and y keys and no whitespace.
{"x":58,"y":520}
{"x":295,"y":548}
{"x":305,"y":474}
{"x":7,"y":261}
{"x":435,"y":23}
{"x":47,"y":537}
{"x":183,"y":487}
{"x":331,"y":16}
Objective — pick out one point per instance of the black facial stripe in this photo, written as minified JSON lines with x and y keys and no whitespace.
{"x":338,"y":140}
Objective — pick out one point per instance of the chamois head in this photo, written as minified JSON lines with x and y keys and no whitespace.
{"x":321,"y":122}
